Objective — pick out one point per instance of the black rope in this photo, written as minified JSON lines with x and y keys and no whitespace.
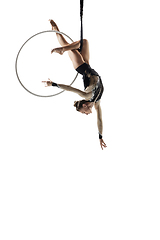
{"x":81,"y":18}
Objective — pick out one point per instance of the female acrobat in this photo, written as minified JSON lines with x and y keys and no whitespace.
{"x":92,"y":81}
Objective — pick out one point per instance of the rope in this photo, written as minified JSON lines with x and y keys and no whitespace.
{"x":81,"y":19}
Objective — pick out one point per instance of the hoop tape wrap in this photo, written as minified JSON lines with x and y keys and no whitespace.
{"x":17,"y":62}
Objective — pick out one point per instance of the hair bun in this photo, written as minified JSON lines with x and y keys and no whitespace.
{"x":75,"y":103}
{"x":79,"y":104}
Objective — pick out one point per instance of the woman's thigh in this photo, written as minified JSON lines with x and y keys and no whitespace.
{"x":78,"y":58}
{"x":85,"y":51}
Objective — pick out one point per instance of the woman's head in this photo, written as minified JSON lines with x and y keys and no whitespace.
{"x":83,"y":106}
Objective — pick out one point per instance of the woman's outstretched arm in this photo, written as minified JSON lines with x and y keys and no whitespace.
{"x":71,"y":89}
{"x":100,"y":124}
{"x":66,"y":87}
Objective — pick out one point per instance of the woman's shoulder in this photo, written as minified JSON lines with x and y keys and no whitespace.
{"x":97,"y":104}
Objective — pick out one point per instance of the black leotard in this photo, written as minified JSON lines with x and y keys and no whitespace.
{"x":85,"y":69}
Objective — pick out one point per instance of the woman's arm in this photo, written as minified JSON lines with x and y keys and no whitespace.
{"x":67,"y":88}
{"x":99,"y":118}
{"x":100,"y":123}
{"x":71,"y":89}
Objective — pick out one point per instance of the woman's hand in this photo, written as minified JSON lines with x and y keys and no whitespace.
{"x":102,"y":143}
{"x":50,"y":83}
{"x":47,"y":83}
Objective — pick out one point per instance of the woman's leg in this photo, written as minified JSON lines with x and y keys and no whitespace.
{"x":76,"y":57}
{"x":85,"y":51}
{"x":60,"y":37}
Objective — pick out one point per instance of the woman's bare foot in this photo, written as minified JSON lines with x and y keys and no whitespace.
{"x":58,"y":50}
{"x":54,"y":25}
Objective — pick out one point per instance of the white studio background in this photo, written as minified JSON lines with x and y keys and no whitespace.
{"x":55,"y":181}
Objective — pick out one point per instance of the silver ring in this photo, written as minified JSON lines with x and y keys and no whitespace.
{"x":17,"y":62}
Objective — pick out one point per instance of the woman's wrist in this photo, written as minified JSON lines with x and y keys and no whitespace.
{"x":55,"y":85}
{"x":100,"y":136}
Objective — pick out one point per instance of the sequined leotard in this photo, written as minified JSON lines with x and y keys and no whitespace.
{"x":97,"y":91}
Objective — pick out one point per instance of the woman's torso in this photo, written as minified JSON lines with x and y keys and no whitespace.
{"x":92,"y":83}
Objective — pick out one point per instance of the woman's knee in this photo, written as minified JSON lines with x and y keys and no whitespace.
{"x":85,"y":42}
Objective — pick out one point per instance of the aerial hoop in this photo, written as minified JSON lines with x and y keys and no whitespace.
{"x":17,"y":62}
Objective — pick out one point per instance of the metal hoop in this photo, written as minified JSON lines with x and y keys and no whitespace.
{"x":17,"y":61}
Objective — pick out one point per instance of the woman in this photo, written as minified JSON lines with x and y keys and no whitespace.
{"x":92,"y":81}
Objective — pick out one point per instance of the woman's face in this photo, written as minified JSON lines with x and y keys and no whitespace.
{"x":86,"y":109}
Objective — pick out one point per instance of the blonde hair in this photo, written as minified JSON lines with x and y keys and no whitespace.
{"x":79,"y":104}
